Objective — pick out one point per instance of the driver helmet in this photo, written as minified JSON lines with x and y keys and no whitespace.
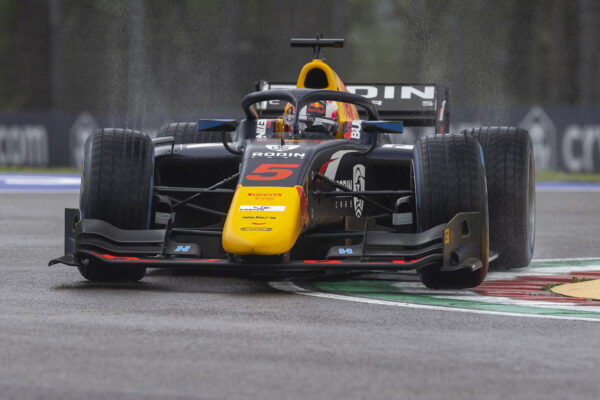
{"x":319,"y":117}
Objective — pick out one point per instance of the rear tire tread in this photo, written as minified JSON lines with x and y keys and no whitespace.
{"x":506,"y":152}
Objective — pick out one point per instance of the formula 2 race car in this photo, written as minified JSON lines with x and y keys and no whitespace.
{"x":310,"y":180}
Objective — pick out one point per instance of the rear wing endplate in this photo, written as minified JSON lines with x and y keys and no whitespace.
{"x":414,"y":104}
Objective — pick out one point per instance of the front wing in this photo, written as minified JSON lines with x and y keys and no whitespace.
{"x":451,"y":246}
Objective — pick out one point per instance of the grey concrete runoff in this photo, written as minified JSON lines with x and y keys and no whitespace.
{"x":186,"y":335}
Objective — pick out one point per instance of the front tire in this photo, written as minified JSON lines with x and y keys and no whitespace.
{"x":449,"y":177}
{"x":116,"y":187}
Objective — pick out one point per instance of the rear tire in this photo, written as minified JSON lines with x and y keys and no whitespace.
{"x":187,"y":132}
{"x":116,"y":187}
{"x":510,"y":169}
{"x":449,"y":177}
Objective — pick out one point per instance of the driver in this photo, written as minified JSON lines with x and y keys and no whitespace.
{"x":318,"y":120}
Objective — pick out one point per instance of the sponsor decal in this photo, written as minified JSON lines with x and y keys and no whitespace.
{"x":261,"y":128}
{"x":358,"y":183}
{"x":446,"y":236}
{"x":345,"y":251}
{"x":378,"y":93}
{"x":285,"y":147}
{"x":256,"y":229}
{"x":428,"y":92}
{"x":257,"y":217}
{"x":352,"y":130}
{"x":279,"y":154}
{"x":345,"y":202}
{"x":262,"y":208}
{"x":265,"y":196}
{"x":316,"y":108}
{"x":370,"y":92}
{"x":322,"y":121}
{"x":182,"y":249}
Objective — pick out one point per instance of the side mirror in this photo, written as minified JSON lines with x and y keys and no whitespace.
{"x":222,"y":125}
{"x":375,"y":127}
{"x":383,"y":126}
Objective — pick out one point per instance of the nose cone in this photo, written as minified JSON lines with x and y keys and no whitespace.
{"x":264,"y":220}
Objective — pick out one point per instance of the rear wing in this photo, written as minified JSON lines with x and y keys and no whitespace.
{"x":414,"y":104}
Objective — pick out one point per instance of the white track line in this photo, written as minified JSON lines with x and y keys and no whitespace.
{"x":39,"y":191}
{"x":576,"y":189}
{"x":565,"y":259}
{"x":292,"y":288}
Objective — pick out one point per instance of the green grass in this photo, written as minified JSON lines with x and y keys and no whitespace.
{"x":541,"y":176}
{"x":4,"y":168}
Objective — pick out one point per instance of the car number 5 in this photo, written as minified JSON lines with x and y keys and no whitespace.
{"x":264,"y":171}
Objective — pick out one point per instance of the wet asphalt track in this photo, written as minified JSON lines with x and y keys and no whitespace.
{"x":193,"y":336}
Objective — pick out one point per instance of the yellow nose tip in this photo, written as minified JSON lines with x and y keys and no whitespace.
{"x":264,"y":220}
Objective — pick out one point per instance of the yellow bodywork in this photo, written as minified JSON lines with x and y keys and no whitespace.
{"x":264,"y":220}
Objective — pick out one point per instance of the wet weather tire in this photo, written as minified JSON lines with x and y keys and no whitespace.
{"x":116,"y":187}
{"x":449,"y":177}
{"x":510,"y":169}
{"x":187,"y":132}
